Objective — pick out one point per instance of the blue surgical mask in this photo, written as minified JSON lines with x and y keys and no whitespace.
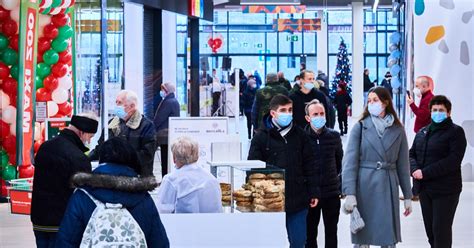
{"x":375,"y":108}
{"x":309,"y":86}
{"x":284,"y":119}
{"x":318,"y":122}
{"x":120,"y":112}
{"x":162,"y":94}
{"x":439,"y":117}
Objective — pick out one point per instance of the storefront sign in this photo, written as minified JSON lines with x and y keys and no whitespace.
{"x":274,"y":9}
{"x":20,"y":202}
{"x":26,"y":83}
{"x":54,"y":126}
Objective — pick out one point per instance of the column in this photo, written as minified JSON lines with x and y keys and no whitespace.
{"x":322,"y":45}
{"x":357,"y":58}
{"x":169,"y":47}
{"x":193,"y":33}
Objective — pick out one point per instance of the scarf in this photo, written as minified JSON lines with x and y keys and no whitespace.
{"x":381,"y":124}
{"x":282,"y":130}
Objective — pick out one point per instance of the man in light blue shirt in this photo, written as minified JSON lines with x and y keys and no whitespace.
{"x":190,"y":188}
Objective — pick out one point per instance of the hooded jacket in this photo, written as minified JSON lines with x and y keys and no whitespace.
{"x":56,"y":162}
{"x":261,"y":104}
{"x":294,"y":154}
{"x":112,"y":183}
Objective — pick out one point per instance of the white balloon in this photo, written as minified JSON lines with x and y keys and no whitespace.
{"x":15,"y":14}
{"x":4,"y":100}
{"x":65,"y":82}
{"x":37,"y":131}
{"x":10,"y":4}
{"x":13,"y":128}
{"x":46,"y":4}
{"x":43,"y":21}
{"x":52,"y":108}
{"x":60,"y":95}
{"x":55,"y":11}
{"x":65,"y":4}
{"x":9,"y":114}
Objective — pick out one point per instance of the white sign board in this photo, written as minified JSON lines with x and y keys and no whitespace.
{"x":204,"y":130}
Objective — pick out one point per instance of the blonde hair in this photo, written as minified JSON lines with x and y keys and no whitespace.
{"x":185,"y":151}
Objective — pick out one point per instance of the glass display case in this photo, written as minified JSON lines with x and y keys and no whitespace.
{"x":251,"y":186}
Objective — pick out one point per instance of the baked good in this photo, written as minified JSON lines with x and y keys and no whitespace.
{"x":244,"y":204}
{"x":279,"y":182}
{"x":226,"y":198}
{"x":226,"y":192}
{"x":275,"y":205}
{"x":257,"y":176}
{"x":254,"y":182}
{"x":272,"y":189}
{"x":275,"y":176}
{"x":243,"y":199}
{"x":245,"y":209}
{"x":269,"y":195}
{"x":225,"y":203}
{"x":263,"y":184}
{"x":225,"y":186}
{"x":242,"y":193}
{"x":267,"y":201}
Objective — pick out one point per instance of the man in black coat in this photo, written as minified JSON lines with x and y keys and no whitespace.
{"x":305,"y":94}
{"x":130,"y":125}
{"x":435,"y":159}
{"x":327,"y":148}
{"x":285,"y":145}
{"x":55,"y":163}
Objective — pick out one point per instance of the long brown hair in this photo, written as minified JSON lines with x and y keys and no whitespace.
{"x":385,"y":97}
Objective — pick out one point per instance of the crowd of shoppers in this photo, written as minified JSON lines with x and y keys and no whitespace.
{"x":288,"y":128}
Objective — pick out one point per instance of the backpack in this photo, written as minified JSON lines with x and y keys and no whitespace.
{"x":112,"y":226}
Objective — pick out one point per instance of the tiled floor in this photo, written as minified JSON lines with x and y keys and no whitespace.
{"x":15,"y":230}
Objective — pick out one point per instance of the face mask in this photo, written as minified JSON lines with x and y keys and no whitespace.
{"x":309,"y":86}
{"x":375,"y":109}
{"x":417,"y":92}
{"x":120,"y":112}
{"x":162,"y":94}
{"x":284,"y":119}
{"x":439,"y":117}
{"x":318,"y":122}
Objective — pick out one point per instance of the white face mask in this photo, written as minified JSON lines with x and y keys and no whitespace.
{"x":417,"y":92}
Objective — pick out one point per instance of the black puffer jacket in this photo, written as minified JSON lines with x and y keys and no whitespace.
{"x":292,"y":153}
{"x":327,"y":149}
{"x":299,"y":103}
{"x":55,"y":163}
{"x":438,"y":153}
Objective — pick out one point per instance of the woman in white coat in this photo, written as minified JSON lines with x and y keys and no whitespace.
{"x":375,"y":164}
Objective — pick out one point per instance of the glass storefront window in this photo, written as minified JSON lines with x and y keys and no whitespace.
{"x":289,"y":42}
{"x":309,"y":43}
{"x":246,"y":42}
{"x":339,"y":17}
{"x":237,"y":17}
{"x":370,"y":42}
{"x":382,"y":42}
{"x":290,"y":66}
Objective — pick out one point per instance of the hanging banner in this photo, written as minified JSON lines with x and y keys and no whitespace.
{"x":26,"y":79}
{"x":274,"y":9}
{"x":297,"y":25}
{"x":196,"y":8}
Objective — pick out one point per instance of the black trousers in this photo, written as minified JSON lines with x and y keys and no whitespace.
{"x":248,"y":116}
{"x":216,"y":96}
{"x":330,"y":208}
{"x":164,"y":159}
{"x":438,"y":216}
{"x":342,"y":119}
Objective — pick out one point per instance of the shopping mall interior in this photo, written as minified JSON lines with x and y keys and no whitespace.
{"x":62,"y":58}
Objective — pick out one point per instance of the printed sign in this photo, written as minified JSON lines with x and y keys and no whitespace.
{"x":20,"y":201}
{"x":54,"y":126}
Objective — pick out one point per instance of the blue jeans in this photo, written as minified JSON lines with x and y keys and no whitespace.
{"x":296,"y":228}
{"x":45,"y":239}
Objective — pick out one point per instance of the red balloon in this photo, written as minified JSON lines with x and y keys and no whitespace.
{"x":59,"y":70}
{"x":39,"y":58}
{"x":9,"y":86}
{"x":65,"y":108}
{"x":60,"y":20}
{"x":13,"y":98}
{"x":43,"y":95}
{"x":14,"y":42}
{"x":3,"y":188}
{"x":9,"y":144}
{"x":65,"y":57}
{"x":26,"y":171}
{"x":50,"y":31}
{"x":12,"y":158}
{"x":4,"y":71}
{"x":4,"y":14}
{"x":10,"y":27}
{"x":44,"y":44}
{"x":50,"y":83}
{"x":4,"y":129}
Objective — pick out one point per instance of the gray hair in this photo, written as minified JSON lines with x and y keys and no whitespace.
{"x":185,"y":150}
{"x":130,"y":96}
{"x":272,"y":77}
{"x":169,"y":87}
{"x":309,"y":104}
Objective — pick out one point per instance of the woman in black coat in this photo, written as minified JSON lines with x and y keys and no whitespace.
{"x":168,"y":107}
{"x":248,"y":98}
{"x":343,"y":101}
{"x":435,"y":160}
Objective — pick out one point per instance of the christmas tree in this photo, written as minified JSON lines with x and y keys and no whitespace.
{"x":343,"y":74}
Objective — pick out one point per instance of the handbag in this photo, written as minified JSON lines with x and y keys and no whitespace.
{"x":357,"y":223}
